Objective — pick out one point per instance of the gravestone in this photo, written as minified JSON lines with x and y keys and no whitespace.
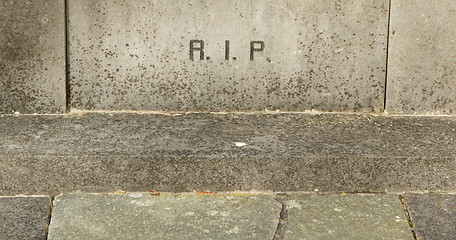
{"x":228,"y":55}
{"x":422,"y":58}
{"x":32,"y":56}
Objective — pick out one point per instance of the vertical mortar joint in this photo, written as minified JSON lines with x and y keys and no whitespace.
{"x":387,"y":56}
{"x":407,"y":214}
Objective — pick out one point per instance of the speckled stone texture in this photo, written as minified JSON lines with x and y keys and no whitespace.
{"x":346,"y":217}
{"x":433,"y":215}
{"x":24,"y":217}
{"x":284,"y":152}
{"x":422,"y":56}
{"x":168,"y":216}
{"x":135,"y":55}
{"x":32,"y":56}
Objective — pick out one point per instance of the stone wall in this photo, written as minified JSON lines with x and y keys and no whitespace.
{"x":32,"y":56}
{"x":205,"y":56}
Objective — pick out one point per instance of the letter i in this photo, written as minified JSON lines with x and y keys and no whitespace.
{"x":227,"y":50}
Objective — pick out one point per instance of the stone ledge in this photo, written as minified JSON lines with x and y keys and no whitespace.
{"x":167,"y":216}
{"x":24,"y":217}
{"x":283,"y":152}
{"x":432,"y":215}
{"x":228,"y":216}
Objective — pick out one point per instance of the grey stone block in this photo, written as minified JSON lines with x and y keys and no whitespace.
{"x":284,"y":152}
{"x":346,"y":217}
{"x":135,"y":55}
{"x":168,"y":216}
{"x":32,"y":56}
{"x":422,"y":56}
{"x":433,"y":215}
{"x":24,"y":217}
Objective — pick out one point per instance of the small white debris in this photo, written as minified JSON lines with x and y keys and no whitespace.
{"x":235,"y":230}
{"x":225,"y":214}
{"x":135,"y":195}
{"x":240,"y":144}
{"x":189,"y":213}
{"x":293,"y":204}
{"x":337,"y":210}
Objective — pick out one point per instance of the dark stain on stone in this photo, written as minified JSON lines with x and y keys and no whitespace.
{"x":32,"y":56}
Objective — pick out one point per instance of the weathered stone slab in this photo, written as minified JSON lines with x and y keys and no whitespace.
{"x":284,"y":152}
{"x":312,"y":216}
{"x":422,"y":56}
{"x":168,"y":216}
{"x":32,"y":56}
{"x":137,"y":55}
{"x":433,"y":215}
{"x":24,"y":217}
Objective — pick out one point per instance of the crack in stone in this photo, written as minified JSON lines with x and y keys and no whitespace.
{"x":283,"y":220}
{"x":51,"y":209}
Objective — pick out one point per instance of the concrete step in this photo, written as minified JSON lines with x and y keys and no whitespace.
{"x":24,"y":217}
{"x":209,"y":215}
{"x":433,"y":215}
{"x":96,"y":152}
{"x":228,"y":216}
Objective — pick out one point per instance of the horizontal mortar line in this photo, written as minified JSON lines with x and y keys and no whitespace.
{"x":310,"y":112}
{"x":211,"y":157}
{"x":33,"y":114}
{"x":421,"y":115}
{"x":26,"y":196}
{"x":178,"y":113}
{"x":121,"y":192}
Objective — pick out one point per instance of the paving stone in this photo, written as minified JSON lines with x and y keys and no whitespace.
{"x":422,"y":56}
{"x":32,"y":56}
{"x":168,"y":216}
{"x":312,"y":216}
{"x":24,"y":217}
{"x":284,"y":152}
{"x":433,"y":215}
{"x":135,"y":55}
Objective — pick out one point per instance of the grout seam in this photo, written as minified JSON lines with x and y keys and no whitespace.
{"x":407,"y":214}
{"x":279,"y":234}
{"x":51,"y":209}
{"x":67,"y":56}
{"x":387,"y":56}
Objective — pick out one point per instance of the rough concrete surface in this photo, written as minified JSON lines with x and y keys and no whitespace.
{"x":135,"y":55}
{"x":433,"y":215}
{"x":346,"y":217}
{"x":24,"y":217}
{"x":422,"y":56}
{"x":32,"y":56}
{"x":168,"y":216}
{"x":284,"y":152}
